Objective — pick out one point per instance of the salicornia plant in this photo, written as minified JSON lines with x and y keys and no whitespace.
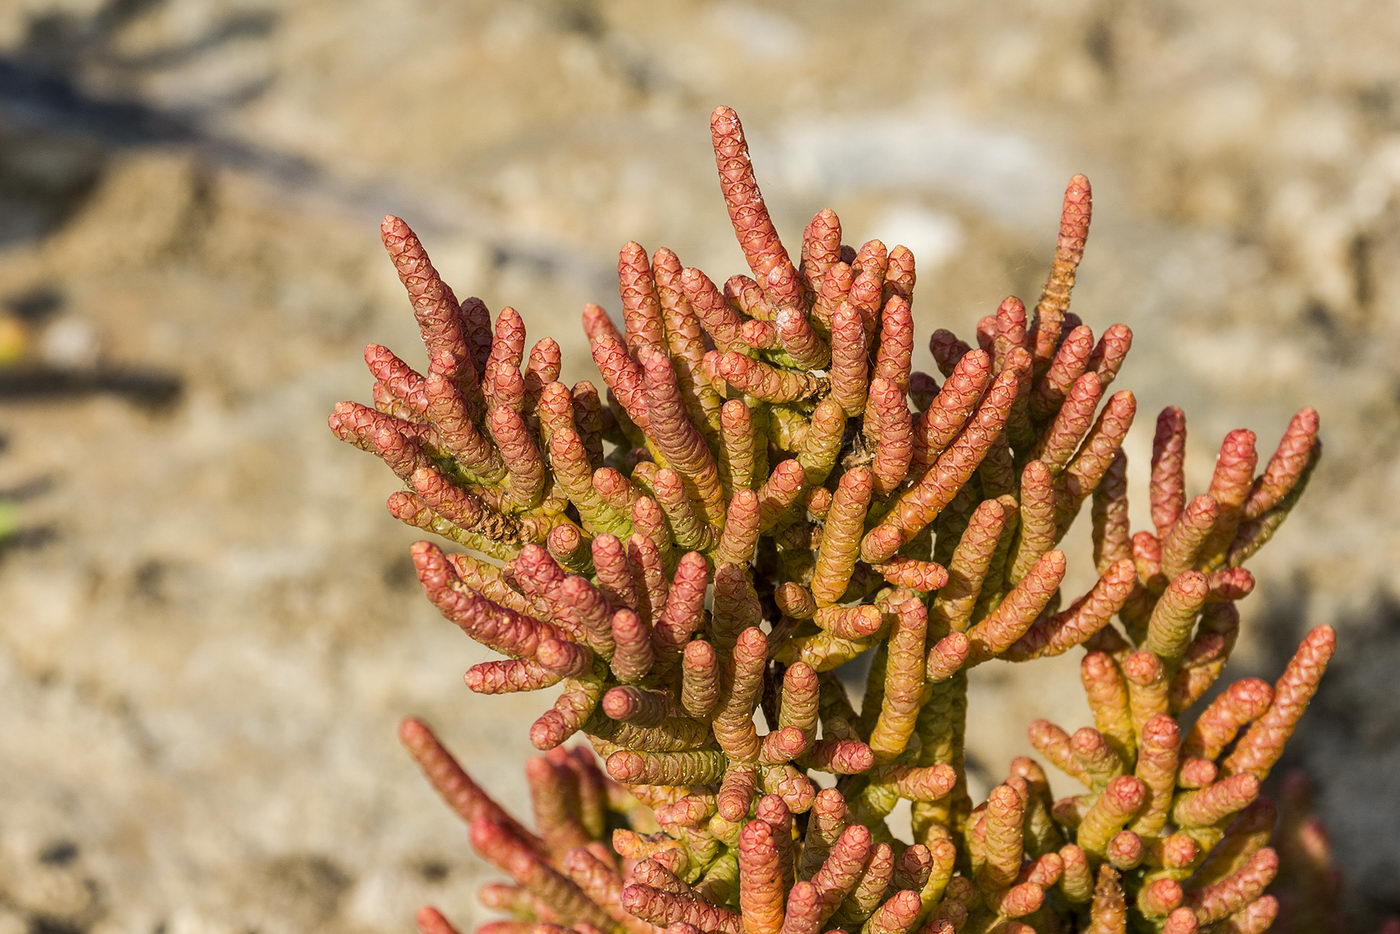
{"x":764,"y":492}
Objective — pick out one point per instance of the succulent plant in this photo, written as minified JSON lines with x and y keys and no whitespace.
{"x":764,"y":492}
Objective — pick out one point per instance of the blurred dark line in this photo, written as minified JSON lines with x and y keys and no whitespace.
{"x":243,"y":25}
{"x":27,"y":490}
{"x":145,"y":386}
{"x":38,"y":100}
{"x":28,"y":538}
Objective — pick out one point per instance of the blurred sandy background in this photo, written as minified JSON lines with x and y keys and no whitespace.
{"x":208,"y":624}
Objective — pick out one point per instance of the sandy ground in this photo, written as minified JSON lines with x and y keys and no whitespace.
{"x":208,"y":624}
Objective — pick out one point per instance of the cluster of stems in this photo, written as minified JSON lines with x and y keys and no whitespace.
{"x":763,"y":492}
